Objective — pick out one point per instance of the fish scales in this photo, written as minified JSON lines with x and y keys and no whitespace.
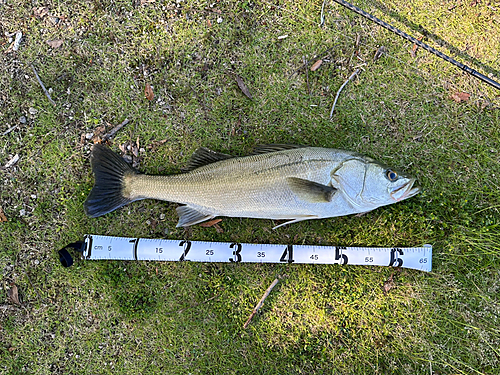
{"x":285,"y":182}
{"x":257,"y":183}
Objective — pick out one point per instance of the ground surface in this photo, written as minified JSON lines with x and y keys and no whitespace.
{"x":415,"y":112}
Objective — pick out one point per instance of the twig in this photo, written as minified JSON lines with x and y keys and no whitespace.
{"x":43,"y":87}
{"x":322,"y":14}
{"x":307,"y":75}
{"x":115,"y":130}
{"x":9,"y":129}
{"x":338,"y":92}
{"x":325,"y":54}
{"x":261,"y":302}
{"x":11,"y":162}
{"x":9,"y":307}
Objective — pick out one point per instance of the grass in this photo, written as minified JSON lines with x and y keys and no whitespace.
{"x":148,"y":318}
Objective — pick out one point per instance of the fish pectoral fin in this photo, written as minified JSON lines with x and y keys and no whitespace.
{"x":204,"y":156}
{"x":300,"y":218}
{"x":311,"y":191}
{"x":189,"y":216}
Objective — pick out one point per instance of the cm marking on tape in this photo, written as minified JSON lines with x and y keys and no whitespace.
{"x":97,"y":247}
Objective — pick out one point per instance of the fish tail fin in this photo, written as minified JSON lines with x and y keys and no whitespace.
{"x":111,"y":174}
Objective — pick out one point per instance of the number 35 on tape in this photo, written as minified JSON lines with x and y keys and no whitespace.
{"x":121,"y":248}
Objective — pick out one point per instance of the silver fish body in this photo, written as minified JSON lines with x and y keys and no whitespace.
{"x":279,"y":182}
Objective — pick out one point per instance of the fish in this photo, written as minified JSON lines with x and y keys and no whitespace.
{"x":279,"y":182}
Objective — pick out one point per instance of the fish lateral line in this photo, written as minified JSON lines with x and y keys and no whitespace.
{"x":294,"y":184}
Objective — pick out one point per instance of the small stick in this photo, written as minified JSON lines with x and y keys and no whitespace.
{"x":43,"y":87}
{"x":338,"y":92}
{"x":261,"y":302}
{"x":322,"y":14}
{"x":307,"y":75}
{"x":11,"y":162}
{"x":116,"y":129}
{"x":9,"y":130}
{"x":325,"y":54}
{"x":8,"y":307}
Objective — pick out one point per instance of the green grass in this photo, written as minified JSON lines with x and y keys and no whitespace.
{"x":181,"y":318}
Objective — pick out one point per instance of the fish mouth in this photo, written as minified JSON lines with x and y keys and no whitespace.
{"x":405,"y":191}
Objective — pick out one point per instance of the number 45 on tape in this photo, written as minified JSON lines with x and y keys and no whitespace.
{"x":95,"y":247}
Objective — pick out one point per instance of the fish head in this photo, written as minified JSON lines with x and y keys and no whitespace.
{"x":368,"y":184}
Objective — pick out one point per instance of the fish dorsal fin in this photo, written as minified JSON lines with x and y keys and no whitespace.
{"x":311,"y":191}
{"x":264,"y":149}
{"x":204,"y":156}
{"x":189,"y":216}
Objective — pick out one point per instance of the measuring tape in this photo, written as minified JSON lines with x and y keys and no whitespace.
{"x":95,"y":247}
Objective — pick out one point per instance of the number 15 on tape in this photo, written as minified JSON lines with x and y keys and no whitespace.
{"x":122,"y":248}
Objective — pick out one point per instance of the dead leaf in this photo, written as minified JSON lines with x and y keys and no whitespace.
{"x":389,"y":284}
{"x":11,"y":162}
{"x":414,"y":49}
{"x":98,"y":132}
{"x":14,"y":295}
{"x":460,"y":97}
{"x":210,"y":223}
{"x":154,"y":223}
{"x":148,"y":92}
{"x":209,"y":24}
{"x":379,"y":53}
{"x":242,"y":86}
{"x":316,"y":65}
{"x":2,"y":216}
{"x":155,"y":144}
{"x":56,"y":43}
{"x":11,"y":349}
{"x":40,"y":12}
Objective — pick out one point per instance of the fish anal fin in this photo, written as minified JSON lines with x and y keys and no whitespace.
{"x":311,"y":191}
{"x":297,"y":219}
{"x":204,"y":156}
{"x":190,"y":216}
{"x":264,"y":149}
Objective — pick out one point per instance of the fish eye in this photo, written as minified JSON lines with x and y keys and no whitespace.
{"x":391,"y":175}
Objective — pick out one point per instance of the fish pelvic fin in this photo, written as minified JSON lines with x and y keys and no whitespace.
{"x":111,"y":173}
{"x":311,"y":191}
{"x":190,"y":216}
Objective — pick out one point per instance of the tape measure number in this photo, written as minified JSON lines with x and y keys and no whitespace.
{"x":121,"y":248}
